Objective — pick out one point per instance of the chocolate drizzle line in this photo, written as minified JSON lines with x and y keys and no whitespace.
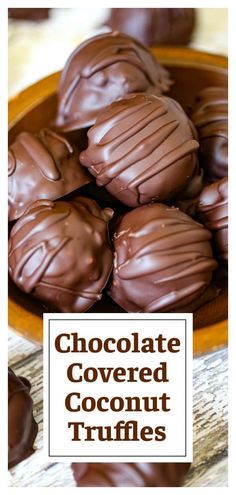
{"x":210,"y":116}
{"x":137,"y":139}
{"x":92,"y":69}
{"x":60,"y":252}
{"x":165,"y":254}
{"x":43,"y":165}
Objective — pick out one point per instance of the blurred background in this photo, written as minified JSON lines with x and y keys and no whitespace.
{"x":40,"y":46}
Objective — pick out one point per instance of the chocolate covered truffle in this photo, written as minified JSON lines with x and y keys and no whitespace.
{"x":34,"y":14}
{"x":210,"y":116}
{"x":155,"y":26}
{"x":22,"y":427}
{"x":43,"y":165}
{"x":213,"y":212}
{"x":101,"y":70}
{"x":163,"y":260}
{"x":143,"y":148}
{"x":130,"y":474}
{"x":60,"y":253}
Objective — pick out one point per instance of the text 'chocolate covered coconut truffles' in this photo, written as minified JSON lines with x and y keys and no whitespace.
{"x":101,"y":70}
{"x":210,"y":116}
{"x":41,"y":166}
{"x":60,"y":253}
{"x":163,"y":260}
{"x":130,"y":474}
{"x":22,"y":427}
{"x":143,"y":148}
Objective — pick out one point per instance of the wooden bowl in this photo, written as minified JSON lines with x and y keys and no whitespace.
{"x":35,"y":108}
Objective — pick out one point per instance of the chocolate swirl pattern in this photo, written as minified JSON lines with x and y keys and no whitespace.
{"x":143,"y":148}
{"x":60,"y":253}
{"x":101,"y":70}
{"x":41,"y":166}
{"x":163,"y":260}
{"x":210,"y":116}
{"x":130,"y":474}
{"x":213,"y":213}
{"x":22,"y":428}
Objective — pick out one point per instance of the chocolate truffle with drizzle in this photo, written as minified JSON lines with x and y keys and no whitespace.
{"x":101,"y":70}
{"x":143,"y":148}
{"x":60,"y":253}
{"x":163,"y":260}
{"x":210,"y":116}
{"x":212,"y":209}
{"x":42,"y":166}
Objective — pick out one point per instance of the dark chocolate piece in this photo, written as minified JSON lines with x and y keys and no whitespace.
{"x":213,"y":213}
{"x":42,"y":166}
{"x":60,"y":253}
{"x":22,"y":427}
{"x":163,"y":260}
{"x":130,"y":474}
{"x":22,"y":14}
{"x":210,"y":116}
{"x":101,"y":70}
{"x":143,"y":148}
{"x":155,"y":26}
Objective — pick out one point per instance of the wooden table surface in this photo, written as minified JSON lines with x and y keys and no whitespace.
{"x":210,"y":421}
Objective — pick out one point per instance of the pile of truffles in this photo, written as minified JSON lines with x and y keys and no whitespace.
{"x":95,"y":206}
{"x":95,"y":199}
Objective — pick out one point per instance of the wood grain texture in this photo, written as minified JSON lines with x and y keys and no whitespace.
{"x":210,"y":421}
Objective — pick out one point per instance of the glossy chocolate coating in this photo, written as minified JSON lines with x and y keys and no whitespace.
{"x":60,"y":253}
{"x":22,"y":428}
{"x":155,"y":26}
{"x":42,"y":166}
{"x":129,"y":474}
{"x":163,"y":260}
{"x":213,"y":213}
{"x":210,"y":116}
{"x":22,"y":14}
{"x":142,"y":148}
{"x":101,"y":70}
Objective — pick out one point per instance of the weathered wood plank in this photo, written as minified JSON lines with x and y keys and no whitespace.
{"x":19,"y":348}
{"x":210,"y":421}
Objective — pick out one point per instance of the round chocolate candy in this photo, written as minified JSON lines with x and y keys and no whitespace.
{"x":129,"y":474}
{"x":101,"y":70}
{"x":155,"y":26}
{"x":212,"y":208}
{"x":60,"y":252}
{"x":210,"y":116}
{"x":22,"y":427}
{"x":43,"y":165}
{"x":23,"y":14}
{"x":163,"y":260}
{"x":143,"y":148}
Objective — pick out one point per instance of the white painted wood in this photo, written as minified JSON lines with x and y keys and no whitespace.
{"x":210,"y":421}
